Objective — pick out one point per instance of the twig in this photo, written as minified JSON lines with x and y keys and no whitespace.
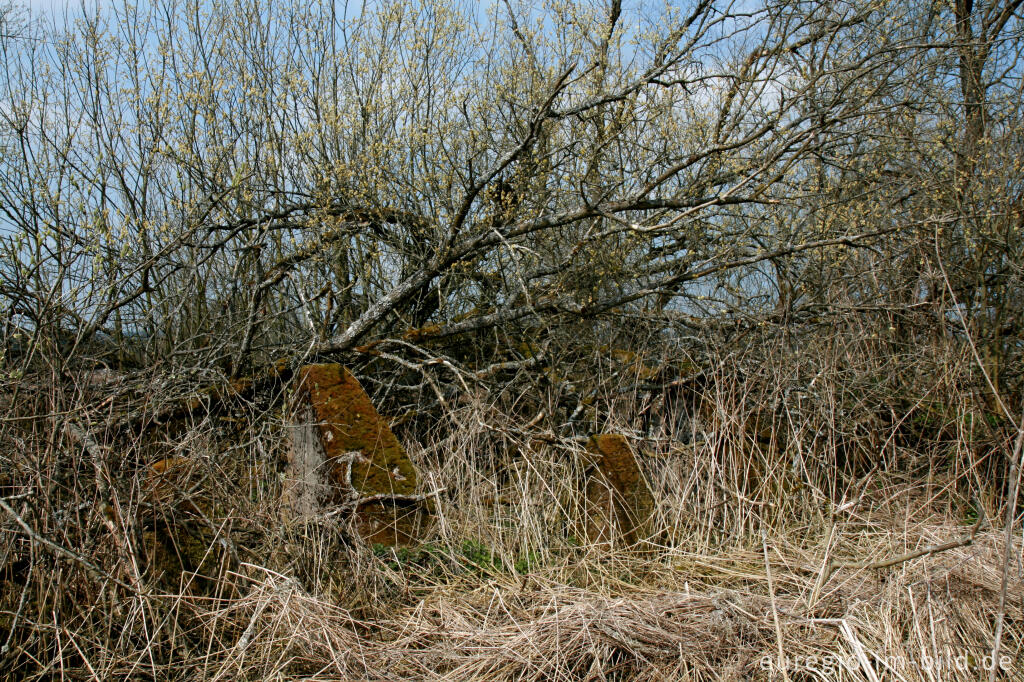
{"x":393,"y":497}
{"x":21,"y":603}
{"x":1011,"y":515}
{"x":109,"y":509}
{"x":858,"y":650}
{"x":824,"y":574}
{"x":62,"y":551}
{"x":1015,"y":467}
{"x":775,"y":608}
{"x":497,"y":367}
{"x":79,"y":435}
{"x":962,"y":541}
{"x":353,"y":499}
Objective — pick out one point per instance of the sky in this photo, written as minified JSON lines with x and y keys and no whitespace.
{"x":55,"y":10}
{"x":49,"y":6}
{"x":44,"y":5}
{"x":51,"y":10}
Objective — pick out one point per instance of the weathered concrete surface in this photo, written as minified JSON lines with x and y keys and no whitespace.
{"x":178,"y":545}
{"x":343,"y":452}
{"x":619,"y":503}
{"x":305,"y":487}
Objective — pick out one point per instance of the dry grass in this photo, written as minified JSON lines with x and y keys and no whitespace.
{"x":680,"y":615}
{"x":506,"y":587}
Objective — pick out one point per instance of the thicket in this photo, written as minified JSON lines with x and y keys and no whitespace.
{"x":778,"y":245}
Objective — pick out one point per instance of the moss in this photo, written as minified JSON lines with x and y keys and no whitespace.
{"x":617,"y":490}
{"x":170,"y":550}
{"x":179,"y":538}
{"x":349,"y":422}
{"x":398,"y":524}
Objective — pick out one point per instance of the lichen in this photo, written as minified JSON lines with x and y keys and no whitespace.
{"x":617,"y":489}
{"x":391,"y":523}
{"x":173,"y":549}
{"x":349,"y":422}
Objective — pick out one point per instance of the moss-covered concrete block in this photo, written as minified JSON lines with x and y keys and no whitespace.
{"x":343,"y":451}
{"x":619,"y":503}
{"x":348,"y":422}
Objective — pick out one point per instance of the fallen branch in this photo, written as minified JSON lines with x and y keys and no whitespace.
{"x":62,"y":551}
{"x":962,"y":541}
{"x":352,"y":499}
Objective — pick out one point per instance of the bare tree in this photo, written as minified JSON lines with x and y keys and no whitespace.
{"x":218,"y":187}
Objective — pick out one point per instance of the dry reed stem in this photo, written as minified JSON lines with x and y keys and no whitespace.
{"x":506,"y":587}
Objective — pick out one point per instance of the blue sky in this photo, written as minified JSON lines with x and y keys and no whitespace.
{"x":53,"y":9}
{"x":49,"y":6}
{"x":56,"y":10}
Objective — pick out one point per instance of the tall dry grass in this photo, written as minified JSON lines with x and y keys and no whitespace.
{"x":776,"y":473}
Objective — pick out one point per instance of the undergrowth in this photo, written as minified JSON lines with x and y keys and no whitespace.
{"x":775,"y":492}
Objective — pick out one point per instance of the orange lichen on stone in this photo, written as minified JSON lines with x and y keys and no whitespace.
{"x":166,"y":481}
{"x":166,"y":464}
{"x":238,"y":386}
{"x":163,"y":477}
{"x":399,"y":523}
{"x":619,"y":501}
{"x":348,"y":422}
{"x":281,"y":367}
{"x":342,"y":451}
{"x":422,"y":333}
